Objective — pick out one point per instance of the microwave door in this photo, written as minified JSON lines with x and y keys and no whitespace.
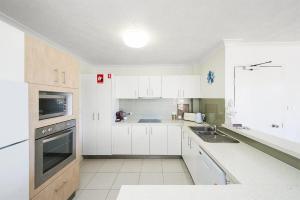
{"x":51,"y":106}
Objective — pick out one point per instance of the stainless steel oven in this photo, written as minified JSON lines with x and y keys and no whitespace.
{"x":52,"y":104}
{"x":55,"y":147}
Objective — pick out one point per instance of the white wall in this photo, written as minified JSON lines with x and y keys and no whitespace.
{"x":213,"y":62}
{"x":283,"y":54}
{"x":11,"y":53}
{"x":139,"y":70}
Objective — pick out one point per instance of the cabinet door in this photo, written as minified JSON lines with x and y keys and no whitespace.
{"x":121,"y":140}
{"x":184,"y":144}
{"x":39,"y":68}
{"x":170,"y":86}
{"x":126,"y":87}
{"x":174,"y":140}
{"x":88,"y":119}
{"x":140,"y":140}
{"x":190,"y":87}
{"x":144,"y":86}
{"x":69,"y":72}
{"x":158,"y":140}
{"x":103,"y":116}
{"x":155,"y":86}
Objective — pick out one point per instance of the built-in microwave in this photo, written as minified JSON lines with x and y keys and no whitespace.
{"x":52,"y":104}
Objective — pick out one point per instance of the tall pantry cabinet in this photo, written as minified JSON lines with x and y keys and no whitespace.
{"x":96,"y":115}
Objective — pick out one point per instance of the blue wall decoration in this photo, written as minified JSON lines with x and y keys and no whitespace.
{"x":210,"y":77}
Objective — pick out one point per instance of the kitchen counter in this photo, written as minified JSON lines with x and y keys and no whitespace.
{"x":209,"y":192}
{"x":258,"y":176}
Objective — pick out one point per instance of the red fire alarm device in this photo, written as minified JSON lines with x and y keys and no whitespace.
{"x":108,"y":75}
{"x":100,"y":78}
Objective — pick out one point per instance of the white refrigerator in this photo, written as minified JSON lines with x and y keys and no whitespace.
{"x":14,"y":145}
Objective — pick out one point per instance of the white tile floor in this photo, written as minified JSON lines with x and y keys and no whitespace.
{"x":102,"y":179}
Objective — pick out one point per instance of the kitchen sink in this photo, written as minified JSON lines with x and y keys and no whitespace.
{"x":149,"y":121}
{"x":212,"y":135}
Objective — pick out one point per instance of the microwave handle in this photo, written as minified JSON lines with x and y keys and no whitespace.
{"x":57,"y":137}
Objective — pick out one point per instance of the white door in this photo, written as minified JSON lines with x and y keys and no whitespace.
{"x":158,"y":140}
{"x":121,"y":140}
{"x":155,"y":86}
{"x":190,"y":87}
{"x":126,"y":87}
{"x":174,"y":140}
{"x":103,"y":116}
{"x":140,"y":140}
{"x":171,"y":86}
{"x":14,"y":172}
{"x":89,"y":116}
{"x":144,"y":86}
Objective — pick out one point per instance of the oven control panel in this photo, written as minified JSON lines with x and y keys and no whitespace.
{"x":48,"y":130}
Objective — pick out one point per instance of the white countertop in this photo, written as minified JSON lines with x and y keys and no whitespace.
{"x":260,"y":176}
{"x":286,"y":146}
{"x":211,"y":192}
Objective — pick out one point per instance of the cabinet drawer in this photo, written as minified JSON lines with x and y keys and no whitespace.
{"x":62,"y":187}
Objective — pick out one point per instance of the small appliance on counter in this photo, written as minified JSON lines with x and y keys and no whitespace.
{"x":194,"y":117}
{"x":121,"y":115}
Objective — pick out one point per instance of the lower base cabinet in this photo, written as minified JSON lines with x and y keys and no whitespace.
{"x":62,"y":187}
{"x":121,"y":140}
{"x":202,"y":168}
{"x":146,"y":140}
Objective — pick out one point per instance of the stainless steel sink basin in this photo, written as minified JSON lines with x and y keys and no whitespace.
{"x":212,"y":135}
{"x":149,"y":121}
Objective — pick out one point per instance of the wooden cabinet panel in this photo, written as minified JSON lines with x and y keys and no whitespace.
{"x":62,"y":187}
{"x":49,"y":66}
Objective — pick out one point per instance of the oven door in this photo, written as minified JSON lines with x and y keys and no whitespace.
{"x":52,"y":106}
{"x":52,"y":153}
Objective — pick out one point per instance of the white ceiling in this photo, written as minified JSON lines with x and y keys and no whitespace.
{"x":181,"y":31}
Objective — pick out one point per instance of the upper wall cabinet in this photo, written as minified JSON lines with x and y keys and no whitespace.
{"x":187,"y":86}
{"x":49,"y":66}
{"x":127,"y":87}
{"x":150,"y":86}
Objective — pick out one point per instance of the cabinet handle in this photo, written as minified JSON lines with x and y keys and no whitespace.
{"x":93,"y":116}
{"x":182,"y":93}
{"x":200,"y":152}
{"x":57,"y":76}
{"x":178,"y":93}
{"x":98,"y":116}
{"x":64,"y":77}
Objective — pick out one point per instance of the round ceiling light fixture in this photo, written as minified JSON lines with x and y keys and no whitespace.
{"x":135,"y":38}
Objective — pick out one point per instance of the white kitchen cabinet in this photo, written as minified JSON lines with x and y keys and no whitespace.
{"x":202,"y":168}
{"x":171,"y":86}
{"x":150,"y":86}
{"x":158,"y":140}
{"x":96,"y":116}
{"x":127,"y":87}
{"x":174,"y":140}
{"x":140,"y":140}
{"x":121,"y":140}
{"x":186,"y":86}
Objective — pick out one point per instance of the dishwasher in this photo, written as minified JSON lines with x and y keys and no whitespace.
{"x":206,"y":171}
